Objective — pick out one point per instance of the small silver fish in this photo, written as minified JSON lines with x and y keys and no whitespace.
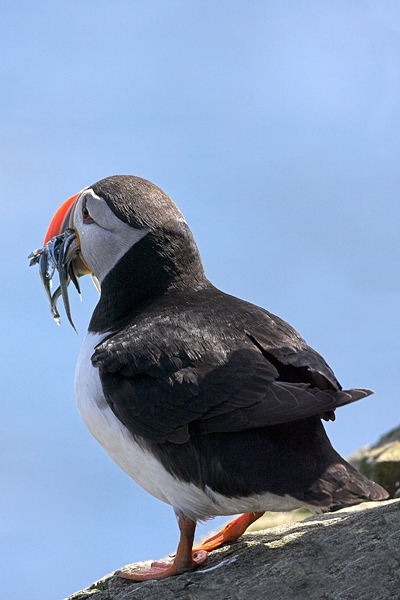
{"x":59,"y":254}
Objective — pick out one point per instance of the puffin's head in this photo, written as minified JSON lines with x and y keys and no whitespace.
{"x":95,"y":228}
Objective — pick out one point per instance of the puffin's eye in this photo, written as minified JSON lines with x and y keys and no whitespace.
{"x":86,"y":218}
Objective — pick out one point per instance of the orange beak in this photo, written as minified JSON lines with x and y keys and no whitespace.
{"x":61,"y":252}
{"x":62,"y":219}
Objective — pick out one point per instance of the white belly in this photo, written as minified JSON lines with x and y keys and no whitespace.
{"x":141,"y":465}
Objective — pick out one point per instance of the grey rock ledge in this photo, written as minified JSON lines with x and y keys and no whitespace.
{"x":350,"y":554}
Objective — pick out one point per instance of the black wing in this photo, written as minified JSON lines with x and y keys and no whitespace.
{"x":213,"y":365}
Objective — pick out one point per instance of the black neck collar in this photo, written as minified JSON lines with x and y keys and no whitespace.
{"x":162,"y":262}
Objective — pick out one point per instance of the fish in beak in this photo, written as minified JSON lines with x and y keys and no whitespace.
{"x":61,"y":252}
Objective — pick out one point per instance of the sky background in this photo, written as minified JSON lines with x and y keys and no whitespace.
{"x":275,"y":127}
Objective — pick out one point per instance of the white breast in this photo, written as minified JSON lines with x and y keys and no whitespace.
{"x":106,"y":428}
{"x":141,"y":465}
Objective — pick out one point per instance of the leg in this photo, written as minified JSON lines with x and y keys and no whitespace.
{"x":230,"y":532}
{"x":185,"y":559}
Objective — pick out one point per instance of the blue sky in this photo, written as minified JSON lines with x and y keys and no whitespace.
{"x":275,"y":126}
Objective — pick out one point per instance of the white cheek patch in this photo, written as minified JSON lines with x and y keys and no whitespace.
{"x":100,"y":211}
{"x":104,"y":242}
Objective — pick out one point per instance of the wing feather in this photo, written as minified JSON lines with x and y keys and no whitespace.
{"x":194,"y":372}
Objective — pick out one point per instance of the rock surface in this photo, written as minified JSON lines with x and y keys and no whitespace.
{"x":381,"y":462}
{"x":351,"y":554}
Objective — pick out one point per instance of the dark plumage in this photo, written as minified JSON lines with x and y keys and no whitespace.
{"x":204,"y":377}
{"x":222,"y":394}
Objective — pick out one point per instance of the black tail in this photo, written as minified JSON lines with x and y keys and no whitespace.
{"x":342,"y":485}
{"x":339,"y":483}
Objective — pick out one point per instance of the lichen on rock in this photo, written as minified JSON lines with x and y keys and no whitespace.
{"x":381,"y":462}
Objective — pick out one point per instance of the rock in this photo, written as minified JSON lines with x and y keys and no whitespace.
{"x":351,"y":554}
{"x":381,"y":462}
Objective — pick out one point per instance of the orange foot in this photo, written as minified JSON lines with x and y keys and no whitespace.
{"x":185,"y":559}
{"x":230,"y":532}
{"x":160,"y":570}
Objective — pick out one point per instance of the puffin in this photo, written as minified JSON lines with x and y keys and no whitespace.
{"x":211,"y":404}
